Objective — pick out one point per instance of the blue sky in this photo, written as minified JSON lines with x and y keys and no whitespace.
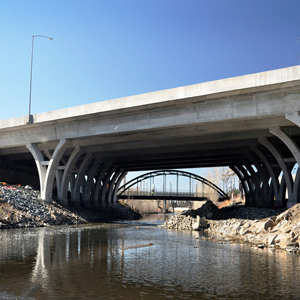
{"x":103,"y":50}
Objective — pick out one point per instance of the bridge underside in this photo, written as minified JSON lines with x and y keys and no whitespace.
{"x":254,"y":131}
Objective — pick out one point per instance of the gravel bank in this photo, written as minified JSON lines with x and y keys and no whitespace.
{"x":20,"y":208}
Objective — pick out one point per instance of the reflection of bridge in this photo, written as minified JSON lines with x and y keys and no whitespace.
{"x":135,"y":188}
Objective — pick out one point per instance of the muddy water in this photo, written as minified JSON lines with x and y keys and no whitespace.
{"x":107,"y":262}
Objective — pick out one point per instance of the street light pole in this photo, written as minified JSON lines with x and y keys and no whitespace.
{"x":30,"y":119}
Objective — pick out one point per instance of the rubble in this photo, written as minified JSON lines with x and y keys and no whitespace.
{"x":20,"y":208}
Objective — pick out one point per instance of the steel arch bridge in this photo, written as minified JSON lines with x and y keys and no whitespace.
{"x":152,"y":175}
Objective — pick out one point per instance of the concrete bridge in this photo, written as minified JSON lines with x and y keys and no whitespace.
{"x":249,"y":123}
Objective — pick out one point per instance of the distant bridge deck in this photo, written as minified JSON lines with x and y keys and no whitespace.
{"x":165,"y":197}
{"x":173,"y":196}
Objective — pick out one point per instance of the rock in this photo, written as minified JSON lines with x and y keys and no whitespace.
{"x":246,"y":228}
{"x":281,"y":230}
{"x":271,"y":239}
{"x":284,"y":216}
{"x":200,"y":224}
{"x":208,"y":210}
{"x":293,"y":250}
{"x":268,"y":224}
{"x":281,"y":240}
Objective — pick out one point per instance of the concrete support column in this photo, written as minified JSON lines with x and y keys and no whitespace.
{"x":297,"y":184}
{"x":286,"y":173}
{"x":264,"y":191}
{"x":80,"y":179}
{"x":112,"y":186}
{"x":98,"y":186}
{"x":236,"y":170}
{"x":115,"y":192}
{"x":59,"y":171}
{"x":293,"y":147}
{"x":274,"y":177}
{"x":256,"y":197}
{"x":106,"y":184}
{"x":86,"y":196}
{"x":47,"y":169}
{"x":62,"y":192}
{"x":245,"y":181}
{"x":295,"y":150}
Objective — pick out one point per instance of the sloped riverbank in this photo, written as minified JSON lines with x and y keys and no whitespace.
{"x":20,"y":208}
{"x":274,"y":228}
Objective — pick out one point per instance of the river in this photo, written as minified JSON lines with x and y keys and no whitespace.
{"x":102,"y":261}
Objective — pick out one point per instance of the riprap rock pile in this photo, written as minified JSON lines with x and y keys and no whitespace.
{"x":261,"y":227}
{"x":22,"y":208}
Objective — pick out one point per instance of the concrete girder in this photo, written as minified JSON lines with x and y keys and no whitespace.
{"x":167,"y":144}
{"x":293,"y":116}
{"x":195,"y":113}
{"x":210,"y":130}
{"x":287,"y":177}
{"x":47,"y":169}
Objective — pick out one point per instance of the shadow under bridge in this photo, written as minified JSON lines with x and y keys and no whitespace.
{"x":143,"y":188}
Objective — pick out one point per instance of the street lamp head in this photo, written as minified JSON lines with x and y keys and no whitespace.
{"x":39,"y":35}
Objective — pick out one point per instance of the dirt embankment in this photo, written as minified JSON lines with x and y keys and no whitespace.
{"x":274,"y":228}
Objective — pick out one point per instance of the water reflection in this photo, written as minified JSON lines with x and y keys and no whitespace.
{"x":40,"y":274}
{"x":96,"y":262}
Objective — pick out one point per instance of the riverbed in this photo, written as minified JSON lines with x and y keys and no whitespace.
{"x":139,"y":261}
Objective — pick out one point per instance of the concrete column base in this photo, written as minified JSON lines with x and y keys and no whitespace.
{"x":48,"y":200}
